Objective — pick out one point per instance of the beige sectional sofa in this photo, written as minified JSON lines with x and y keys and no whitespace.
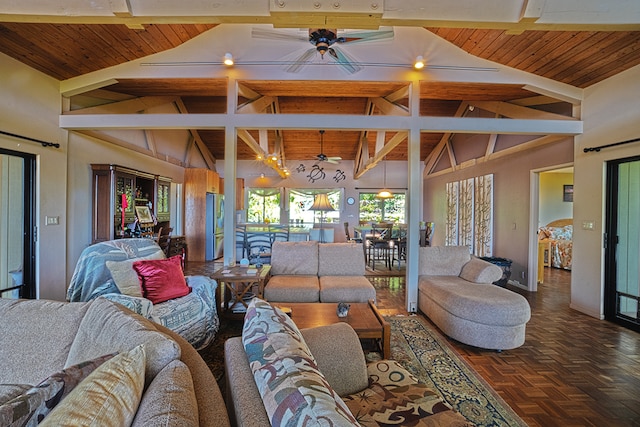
{"x":455,"y":291}
{"x":49,"y":344}
{"x":318,"y":272}
{"x":279,"y":375}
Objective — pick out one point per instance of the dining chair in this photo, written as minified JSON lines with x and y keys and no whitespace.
{"x":164,"y":239}
{"x":379,"y":245}
{"x":280,"y":233}
{"x":242,"y":248}
{"x":399,"y":251}
{"x":259,"y":246}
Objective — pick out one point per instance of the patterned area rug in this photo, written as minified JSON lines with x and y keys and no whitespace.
{"x":427,"y":355}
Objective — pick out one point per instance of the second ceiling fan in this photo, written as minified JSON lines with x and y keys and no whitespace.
{"x":323,"y":157}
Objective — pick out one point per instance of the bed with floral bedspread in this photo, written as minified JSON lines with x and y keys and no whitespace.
{"x":559,"y":234}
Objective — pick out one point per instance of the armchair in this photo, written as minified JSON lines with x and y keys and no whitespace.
{"x":106,"y":269}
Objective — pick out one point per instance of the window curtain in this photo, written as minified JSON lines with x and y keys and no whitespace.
{"x":470,"y":214}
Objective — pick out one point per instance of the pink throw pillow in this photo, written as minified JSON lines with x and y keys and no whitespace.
{"x":161,"y":279}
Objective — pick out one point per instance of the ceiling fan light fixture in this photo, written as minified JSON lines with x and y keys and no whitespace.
{"x":228,"y":59}
{"x":419,"y":63}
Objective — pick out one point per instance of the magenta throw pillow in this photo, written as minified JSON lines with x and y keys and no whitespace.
{"x":161,"y":279}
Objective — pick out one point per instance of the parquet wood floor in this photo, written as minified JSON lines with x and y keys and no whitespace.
{"x":573,"y":370}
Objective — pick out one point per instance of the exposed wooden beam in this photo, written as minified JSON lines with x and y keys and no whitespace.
{"x":101,"y":136}
{"x":200,"y":144}
{"x":513,"y":111}
{"x":380,"y":155}
{"x":390,"y":109}
{"x":128,"y":106}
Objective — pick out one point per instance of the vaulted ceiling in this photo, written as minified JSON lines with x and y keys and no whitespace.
{"x":65,"y":44}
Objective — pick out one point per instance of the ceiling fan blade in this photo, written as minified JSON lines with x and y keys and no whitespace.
{"x":298,"y":63}
{"x":345,"y":61}
{"x":288,"y":35}
{"x":334,"y":160}
{"x":365,"y":36}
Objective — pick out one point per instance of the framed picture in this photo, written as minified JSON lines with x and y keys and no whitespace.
{"x":144,"y":214}
{"x":567,"y":193}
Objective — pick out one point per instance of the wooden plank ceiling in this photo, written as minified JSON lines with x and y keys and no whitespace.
{"x":63,"y":51}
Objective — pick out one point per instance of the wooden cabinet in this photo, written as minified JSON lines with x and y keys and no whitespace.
{"x":197,"y":183}
{"x":239,"y":192}
{"x":116,"y":192}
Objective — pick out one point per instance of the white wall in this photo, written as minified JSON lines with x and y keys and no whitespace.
{"x":611,"y":113}
{"x":30,"y":107}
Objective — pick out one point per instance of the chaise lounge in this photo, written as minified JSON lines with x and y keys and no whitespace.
{"x":455,"y":291}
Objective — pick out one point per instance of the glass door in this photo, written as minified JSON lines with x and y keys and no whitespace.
{"x":622,"y":240}
{"x":17,"y":220}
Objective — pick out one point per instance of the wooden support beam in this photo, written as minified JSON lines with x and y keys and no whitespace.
{"x":513,"y":111}
{"x":129,"y":106}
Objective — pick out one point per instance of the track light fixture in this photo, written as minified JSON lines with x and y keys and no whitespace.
{"x":228,"y":59}
{"x":419,"y":63}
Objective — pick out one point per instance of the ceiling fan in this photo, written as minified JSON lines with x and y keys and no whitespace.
{"x":324,"y":41}
{"x":323,"y":157}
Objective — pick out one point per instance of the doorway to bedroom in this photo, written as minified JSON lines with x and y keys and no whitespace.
{"x":552,"y":223}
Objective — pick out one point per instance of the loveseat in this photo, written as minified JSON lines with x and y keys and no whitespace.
{"x":455,"y":291}
{"x":279,"y":375}
{"x":99,"y":362}
{"x":157,"y":290}
{"x":318,"y":272}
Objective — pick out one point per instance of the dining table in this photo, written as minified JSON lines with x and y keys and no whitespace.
{"x":363,"y":231}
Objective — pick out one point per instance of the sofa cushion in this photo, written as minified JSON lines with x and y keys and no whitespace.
{"x":341,"y":259}
{"x":293,"y":390}
{"x":29,"y":354}
{"x":169,"y":400}
{"x":294,"y":258}
{"x":346,"y":289}
{"x":292,"y":289}
{"x":31,"y":406}
{"x":125,"y":277}
{"x":338,"y":353}
{"x":161,"y":280}
{"x":482,"y":303}
{"x":480,"y":271}
{"x":395,"y":394}
{"x":109,"y":396}
{"x":443,"y":260}
{"x":109,"y":327}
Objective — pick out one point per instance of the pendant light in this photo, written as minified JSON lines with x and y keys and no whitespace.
{"x":384,"y":193}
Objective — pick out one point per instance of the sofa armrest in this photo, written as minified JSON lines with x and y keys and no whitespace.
{"x":338,"y":353}
{"x":211,"y":409}
{"x":242,"y":393}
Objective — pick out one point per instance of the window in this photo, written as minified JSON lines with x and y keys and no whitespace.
{"x":375,"y":209}
{"x":264,"y":205}
{"x":300,"y":200}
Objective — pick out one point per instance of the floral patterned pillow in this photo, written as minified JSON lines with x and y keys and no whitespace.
{"x":30,"y":408}
{"x":293,"y":390}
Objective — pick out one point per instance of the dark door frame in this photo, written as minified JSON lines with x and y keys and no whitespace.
{"x":28,"y":290}
{"x":610,"y":243}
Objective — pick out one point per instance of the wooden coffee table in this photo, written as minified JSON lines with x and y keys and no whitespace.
{"x":364,"y":318}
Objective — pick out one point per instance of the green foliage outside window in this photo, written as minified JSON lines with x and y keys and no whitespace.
{"x":264,"y":205}
{"x":375,"y":209}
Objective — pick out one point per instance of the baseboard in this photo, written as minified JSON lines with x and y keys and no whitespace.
{"x":587,"y":311}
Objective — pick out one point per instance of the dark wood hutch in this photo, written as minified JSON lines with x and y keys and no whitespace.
{"x":113,"y":184}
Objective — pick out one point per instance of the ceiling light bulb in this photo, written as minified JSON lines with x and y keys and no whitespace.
{"x":419,"y":64}
{"x":228,"y":59}
{"x":262,"y":175}
{"x":274,"y":157}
